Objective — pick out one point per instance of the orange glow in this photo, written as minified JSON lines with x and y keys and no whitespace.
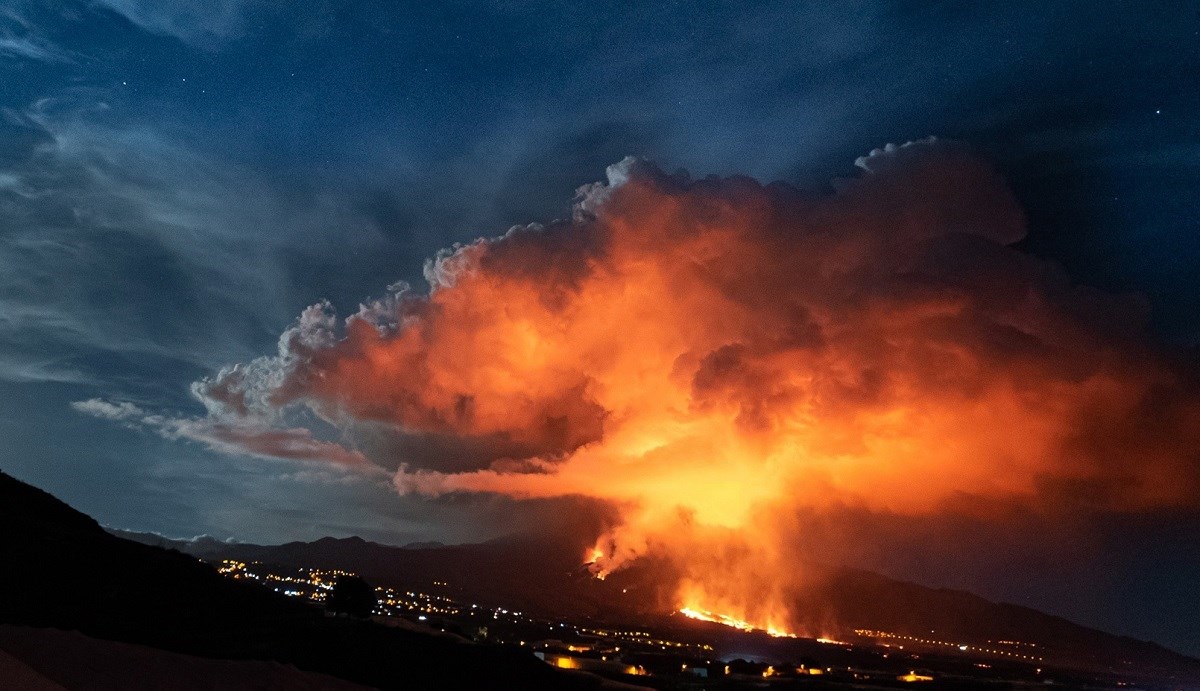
{"x":716,"y":618}
{"x":733,"y":622}
{"x":712,"y":357}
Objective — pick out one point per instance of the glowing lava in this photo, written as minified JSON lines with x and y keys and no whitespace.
{"x":734,"y":622}
{"x":592,"y":564}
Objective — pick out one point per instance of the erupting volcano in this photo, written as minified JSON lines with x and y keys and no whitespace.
{"x":720,"y":360}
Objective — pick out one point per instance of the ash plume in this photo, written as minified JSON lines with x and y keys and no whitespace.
{"x":717,"y":358}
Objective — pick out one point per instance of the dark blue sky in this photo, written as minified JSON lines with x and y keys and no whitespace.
{"x":178,"y":180}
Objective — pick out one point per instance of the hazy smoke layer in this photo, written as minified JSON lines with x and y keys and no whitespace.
{"x":717,"y":356}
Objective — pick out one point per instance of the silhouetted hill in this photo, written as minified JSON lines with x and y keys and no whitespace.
{"x":857,"y":599}
{"x":539,"y":575}
{"x":62,"y":570}
{"x":544,"y":576}
{"x":41,"y":658}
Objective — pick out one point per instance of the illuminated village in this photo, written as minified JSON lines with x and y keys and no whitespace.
{"x":692,"y":648}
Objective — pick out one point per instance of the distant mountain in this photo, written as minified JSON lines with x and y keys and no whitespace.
{"x":539,"y":575}
{"x":863,"y":600}
{"x":545,"y":577}
{"x":61,"y":570}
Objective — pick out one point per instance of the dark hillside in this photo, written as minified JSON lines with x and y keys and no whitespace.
{"x":62,"y":570}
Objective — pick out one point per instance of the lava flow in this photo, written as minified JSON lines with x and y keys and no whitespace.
{"x":733,"y":622}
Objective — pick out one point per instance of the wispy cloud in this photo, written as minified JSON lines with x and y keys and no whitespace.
{"x":33,"y":49}
{"x":124,"y":240}
{"x":235,"y":437}
{"x":23,"y":38}
{"x":201,"y":23}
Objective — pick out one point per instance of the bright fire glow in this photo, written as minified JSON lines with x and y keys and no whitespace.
{"x":716,"y":359}
{"x":734,"y":622}
{"x":716,"y":618}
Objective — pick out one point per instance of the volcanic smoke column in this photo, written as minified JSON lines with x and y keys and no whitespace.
{"x":712,"y":356}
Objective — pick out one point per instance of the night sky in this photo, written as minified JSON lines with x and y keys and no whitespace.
{"x":180,"y":180}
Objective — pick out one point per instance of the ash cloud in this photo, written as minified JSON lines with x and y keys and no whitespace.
{"x":713,"y":356}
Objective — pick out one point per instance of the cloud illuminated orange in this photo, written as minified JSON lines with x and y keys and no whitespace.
{"x":709,"y":355}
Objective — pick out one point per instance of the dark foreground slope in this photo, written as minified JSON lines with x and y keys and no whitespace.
{"x":62,"y":570}
{"x":40,"y":658}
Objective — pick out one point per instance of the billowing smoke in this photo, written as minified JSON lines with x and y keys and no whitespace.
{"x":716,"y":357}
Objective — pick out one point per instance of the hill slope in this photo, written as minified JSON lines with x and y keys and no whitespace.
{"x":62,"y":570}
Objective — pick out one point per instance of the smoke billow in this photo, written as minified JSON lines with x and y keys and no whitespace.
{"x":716,"y":357}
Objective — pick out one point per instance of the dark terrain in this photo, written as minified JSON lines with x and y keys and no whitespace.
{"x":63,"y":571}
{"x":545,"y":577}
{"x":79,"y":598}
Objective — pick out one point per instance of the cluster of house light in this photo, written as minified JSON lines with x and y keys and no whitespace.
{"x":643,"y":638}
{"x":314,"y":585}
{"x":964,"y":647}
{"x":317,"y":582}
{"x":415,"y":602}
